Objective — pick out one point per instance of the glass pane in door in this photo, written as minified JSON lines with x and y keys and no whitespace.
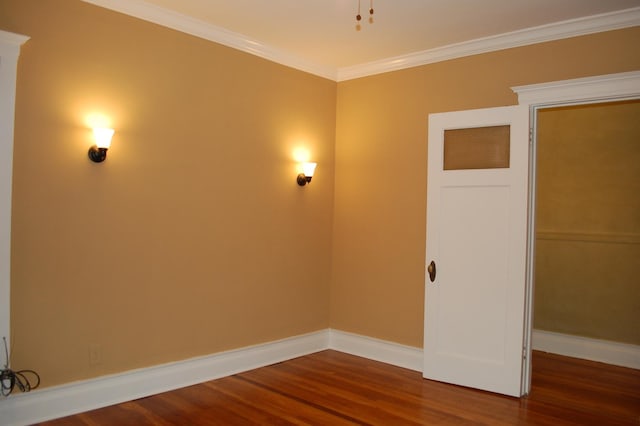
{"x":477,"y":148}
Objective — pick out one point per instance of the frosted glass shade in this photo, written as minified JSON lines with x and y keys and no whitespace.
{"x":103,"y":137}
{"x":308,"y":169}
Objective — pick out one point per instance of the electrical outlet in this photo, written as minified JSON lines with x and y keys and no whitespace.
{"x":95,"y":354}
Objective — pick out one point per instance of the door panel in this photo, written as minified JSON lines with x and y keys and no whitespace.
{"x":466,"y":210}
{"x":476,"y":235}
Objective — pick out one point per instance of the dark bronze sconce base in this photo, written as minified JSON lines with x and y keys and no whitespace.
{"x":97,"y":155}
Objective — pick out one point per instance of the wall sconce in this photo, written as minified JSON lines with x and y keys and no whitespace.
{"x":307,"y":173}
{"x":98,"y":152}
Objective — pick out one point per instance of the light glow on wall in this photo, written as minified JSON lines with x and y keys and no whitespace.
{"x":97,"y":120}
{"x":301,"y":155}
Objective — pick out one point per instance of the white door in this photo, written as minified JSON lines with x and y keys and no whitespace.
{"x":477,"y":241}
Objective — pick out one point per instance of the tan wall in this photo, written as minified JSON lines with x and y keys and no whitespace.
{"x":381,"y":174}
{"x":192,"y":237}
{"x":588,"y":221}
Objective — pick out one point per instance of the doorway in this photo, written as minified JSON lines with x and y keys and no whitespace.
{"x":606,"y":88}
{"x":587,"y":296}
{"x":588,"y":221}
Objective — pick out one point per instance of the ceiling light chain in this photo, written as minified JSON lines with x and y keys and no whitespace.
{"x":359,"y":17}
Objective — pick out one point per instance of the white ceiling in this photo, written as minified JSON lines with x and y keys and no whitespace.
{"x":323,"y":34}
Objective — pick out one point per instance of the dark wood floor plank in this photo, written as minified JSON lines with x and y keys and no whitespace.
{"x":376,"y":395}
{"x":271,"y":407}
{"x":357,"y":396}
{"x":334,"y":388}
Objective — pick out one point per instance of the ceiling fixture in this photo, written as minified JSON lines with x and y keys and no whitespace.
{"x":359,"y":17}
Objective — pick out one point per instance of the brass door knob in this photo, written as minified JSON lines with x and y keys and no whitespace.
{"x":431,"y":269}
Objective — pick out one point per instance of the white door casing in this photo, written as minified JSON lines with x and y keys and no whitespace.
{"x":477,"y":237}
{"x":9,"y":50}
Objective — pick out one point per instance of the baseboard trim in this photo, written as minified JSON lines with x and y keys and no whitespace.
{"x":73,"y":398}
{"x":65,"y":400}
{"x":614,"y":353}
{"x":376,"y":349}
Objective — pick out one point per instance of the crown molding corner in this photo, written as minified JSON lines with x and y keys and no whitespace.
{"x":565,"y":29}
{"x":188,"y":25}
{"x":556,"y":31}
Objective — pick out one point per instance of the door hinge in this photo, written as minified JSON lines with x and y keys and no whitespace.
{"x":530,"y":135}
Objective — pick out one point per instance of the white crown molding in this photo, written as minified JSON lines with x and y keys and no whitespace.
{"x":621,"y":354}
{"x":565,"y":29}
{"x":570,"y":28}
{"x":625,"y":85}
{"x":188,"y":25}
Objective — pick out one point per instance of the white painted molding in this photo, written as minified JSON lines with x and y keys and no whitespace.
{"x":376,"y":349}
{"x":588,"y":237}
{"x":9,"y":51}
{"x":556,"y":31}
{"x":188,"y":25}
{"x":620,"y":354}
{"x":581,"y":90}
{"x":72,"y":398}
{"x":10,"y":43}
{"x":60,"y":401}
{"x":570,"y":28}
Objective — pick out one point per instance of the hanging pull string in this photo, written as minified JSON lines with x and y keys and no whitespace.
{"x":10,"y":379}
{"x":359,"y":16}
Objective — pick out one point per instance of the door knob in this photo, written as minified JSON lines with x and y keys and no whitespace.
{"x":431,"y":269}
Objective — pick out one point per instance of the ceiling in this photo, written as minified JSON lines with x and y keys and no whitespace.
{"x":323,"y":33}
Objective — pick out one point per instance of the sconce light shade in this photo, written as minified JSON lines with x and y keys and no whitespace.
{"x":98,"y":152}
{"x":307,"y":173}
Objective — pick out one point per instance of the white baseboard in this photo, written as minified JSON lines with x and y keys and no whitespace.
{"x":60,"y":401}
{"x":64,"y":400}
{"x":614,"y":353}
{"x":375,"y":349}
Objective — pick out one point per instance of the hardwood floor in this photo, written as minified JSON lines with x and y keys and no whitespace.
{"x":333,"y":388}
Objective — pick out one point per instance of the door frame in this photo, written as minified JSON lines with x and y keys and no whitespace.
{"x":9,"y":51}
{"x":604,"y":88}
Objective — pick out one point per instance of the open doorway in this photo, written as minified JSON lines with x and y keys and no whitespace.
{"x":587,"y":228}
{"x":582,"y":91}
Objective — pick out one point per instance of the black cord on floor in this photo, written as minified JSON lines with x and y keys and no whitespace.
{"x":10,"y":379}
